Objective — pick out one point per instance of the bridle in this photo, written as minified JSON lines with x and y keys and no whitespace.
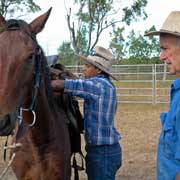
{"x":37,"y":57}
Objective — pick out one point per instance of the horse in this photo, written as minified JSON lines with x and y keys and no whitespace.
{"x":28,"y":110}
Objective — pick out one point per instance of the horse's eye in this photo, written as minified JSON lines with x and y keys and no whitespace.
{"x":30,"y":57}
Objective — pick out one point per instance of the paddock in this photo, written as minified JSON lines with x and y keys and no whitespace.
{"x":139,"y":126}
{"x":143,"y":93}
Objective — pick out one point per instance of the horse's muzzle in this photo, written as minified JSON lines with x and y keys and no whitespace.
{"x":7,"y":125}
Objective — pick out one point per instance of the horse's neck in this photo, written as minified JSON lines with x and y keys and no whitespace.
{"x":43,"y":105}
{"x":47,"y":108}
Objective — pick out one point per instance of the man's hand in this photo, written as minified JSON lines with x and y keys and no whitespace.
{"x":178,"y":176}
{"x":57,"y":86}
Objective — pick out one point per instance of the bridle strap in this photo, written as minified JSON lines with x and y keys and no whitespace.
{"x":37,"y":78}
{"x":14,"y":24}
{"x":20,"y":117}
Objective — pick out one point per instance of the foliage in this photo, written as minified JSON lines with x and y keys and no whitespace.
{"x":117,"y":43}
{"x":11,"y":7}
{"x":140,"y":47}
{"x":66,"y":54}
{"x":94,"y":17}
{"x":154,"y":60}
{"x":136,"y":10}
{"x":136,"y":47}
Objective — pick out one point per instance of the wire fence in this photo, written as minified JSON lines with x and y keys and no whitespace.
{"x":141,"y":83}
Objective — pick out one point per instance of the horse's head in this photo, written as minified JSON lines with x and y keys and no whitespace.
{"x":18,"y":60}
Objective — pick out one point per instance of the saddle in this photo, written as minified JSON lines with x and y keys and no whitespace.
{"x":75,"y":121}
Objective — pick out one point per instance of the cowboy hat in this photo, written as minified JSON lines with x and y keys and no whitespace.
{"x":101,"y":58}
{"x":170,"y":26}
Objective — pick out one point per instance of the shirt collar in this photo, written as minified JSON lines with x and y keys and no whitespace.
{"x":102,"y":76}
{"x":176,"y":83}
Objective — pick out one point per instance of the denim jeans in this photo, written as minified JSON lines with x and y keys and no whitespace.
{"x":102,"y":162}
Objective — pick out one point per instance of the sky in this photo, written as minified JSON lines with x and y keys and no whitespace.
{"x":56,"y":30}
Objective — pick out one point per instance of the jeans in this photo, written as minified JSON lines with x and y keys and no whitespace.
{"x":102,"y":162}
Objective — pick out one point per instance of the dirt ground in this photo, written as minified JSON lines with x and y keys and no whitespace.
{"x":139,"y":126}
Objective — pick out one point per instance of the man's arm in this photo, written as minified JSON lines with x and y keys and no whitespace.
{"x":178,"y":176}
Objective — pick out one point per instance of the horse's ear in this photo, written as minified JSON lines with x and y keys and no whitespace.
{"x":2,"y":22}
{"x":38,"y":24}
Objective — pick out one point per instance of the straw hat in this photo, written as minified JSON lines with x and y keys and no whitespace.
{"x":170,"y":26}
{"x":101,"y":58}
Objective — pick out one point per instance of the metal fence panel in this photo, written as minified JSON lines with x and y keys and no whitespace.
{"x":141,"y":83}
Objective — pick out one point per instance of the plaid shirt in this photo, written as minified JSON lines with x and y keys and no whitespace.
{"x":100,"y":103}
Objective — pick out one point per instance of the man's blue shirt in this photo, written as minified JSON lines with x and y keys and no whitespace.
{"x":168,"y":157}
{"x":100,"y":104}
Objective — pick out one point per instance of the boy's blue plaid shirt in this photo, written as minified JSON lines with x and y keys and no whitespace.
{"x":100,"y":104}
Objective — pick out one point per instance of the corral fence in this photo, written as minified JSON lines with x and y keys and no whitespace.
{"x":141,"y":83}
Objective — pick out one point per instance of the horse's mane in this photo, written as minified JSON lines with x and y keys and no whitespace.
{"x":45,"y":72}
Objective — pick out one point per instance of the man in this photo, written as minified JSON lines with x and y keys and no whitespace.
{"x":168,"y":153}
{"x":103,"y":157}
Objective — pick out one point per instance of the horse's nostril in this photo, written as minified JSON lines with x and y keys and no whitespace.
{"x":6,"y":125}
{"x":4,"y":121}
{"x":7,"y":120}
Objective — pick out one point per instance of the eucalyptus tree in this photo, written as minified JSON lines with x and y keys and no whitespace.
{"x":17,"y":7}
{"x":139,"y":47}
{"x":66,"y":54}
{"x":135,"y":46}
{"x":117,"y":43}
{"x":92,"y":17}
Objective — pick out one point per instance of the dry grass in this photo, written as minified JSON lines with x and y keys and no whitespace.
{"x":139,"y":126}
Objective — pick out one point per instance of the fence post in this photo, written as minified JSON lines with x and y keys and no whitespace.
{"x":154,"y":83}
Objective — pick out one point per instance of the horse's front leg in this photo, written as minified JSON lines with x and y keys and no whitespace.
{"x":24,"y":165}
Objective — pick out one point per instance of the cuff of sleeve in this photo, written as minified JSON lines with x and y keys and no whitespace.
{"x":67,"y":85}
{"x":177,"y":154}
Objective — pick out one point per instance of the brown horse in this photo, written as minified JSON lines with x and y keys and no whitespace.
{"x":26,"y":99}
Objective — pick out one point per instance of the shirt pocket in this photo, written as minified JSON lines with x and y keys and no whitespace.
{"x":169,"y":141}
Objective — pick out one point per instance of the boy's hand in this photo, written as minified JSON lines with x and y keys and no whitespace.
{"x":57,"y":86}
